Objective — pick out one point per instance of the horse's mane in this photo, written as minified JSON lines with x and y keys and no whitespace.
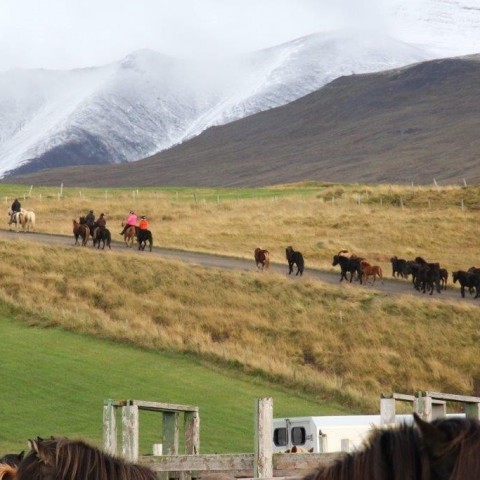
{"x":7,"y":472}
{"x":76,"y":459}
{"x":369,"y":463}
{"x":447,"y":448}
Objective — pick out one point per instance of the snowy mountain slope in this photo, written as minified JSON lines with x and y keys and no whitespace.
{"x":149,"y":102}
{"x":444,"y":28}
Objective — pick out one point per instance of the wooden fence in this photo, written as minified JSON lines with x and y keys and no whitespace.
{"x":260,"y":464}
{"x":428,"y":405}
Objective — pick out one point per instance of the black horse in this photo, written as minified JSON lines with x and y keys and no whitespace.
{"x":144,"y":236}
{"x":351,"y":265}
{"x":294,"y":258}
{"x":12,"y":459}
{"x":102,"y":235}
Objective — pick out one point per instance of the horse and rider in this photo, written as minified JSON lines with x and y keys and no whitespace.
{"x":144,"y":235}
{"x":14,"y":210}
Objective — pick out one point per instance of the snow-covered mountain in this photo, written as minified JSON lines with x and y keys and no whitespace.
{"x":148,"y":102}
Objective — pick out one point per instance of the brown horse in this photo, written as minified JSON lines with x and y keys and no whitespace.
{"x":129,"y":235}
{"x":262,"y":258}
{"x":81,"y":230}
{"x":446,"y":449}
{"x":371,"y":271}
{"x":63,"y":459}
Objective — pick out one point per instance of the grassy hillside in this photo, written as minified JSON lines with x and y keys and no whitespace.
{"x":336,"y":345}
{"x":55,"y":382}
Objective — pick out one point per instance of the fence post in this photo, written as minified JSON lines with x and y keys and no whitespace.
{"x":192,"y":433}
{"x":387,"y":411}
{"x":130,"y":432}
{"x":262,"y":467}
{"x":170,"y":433}
{"x":109,"y":428}
{"x":423,"y":407}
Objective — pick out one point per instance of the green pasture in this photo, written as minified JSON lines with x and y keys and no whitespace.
{"x":55,"y":382}
{"x":181,"y":194}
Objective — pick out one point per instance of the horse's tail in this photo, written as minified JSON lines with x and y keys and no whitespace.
{"x":301,"y":262}
{"x":267,"y":259}
{"x":7,"y":472}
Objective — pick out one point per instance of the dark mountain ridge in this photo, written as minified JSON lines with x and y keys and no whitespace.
{"x":411,"y":124}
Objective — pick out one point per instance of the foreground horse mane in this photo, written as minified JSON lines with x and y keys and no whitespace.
{"x":7,"y":472}
{"x":65,"y":459}
{"x":445,"y":449}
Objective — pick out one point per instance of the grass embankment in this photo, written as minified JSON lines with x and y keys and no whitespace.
{"x":55,"y":382}
{"x":337,"y":345}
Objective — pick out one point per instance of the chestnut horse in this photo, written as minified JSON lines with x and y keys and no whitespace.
{"x":371,"y":271}
{"x":81,"y":230}
{"x":130,"y":234}
{"x":262,"y":258}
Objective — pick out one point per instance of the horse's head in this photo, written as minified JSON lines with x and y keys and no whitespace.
{"x":39,"y":463}
{"x":336,"y":259}
{"x":12,"y":459}
{"x":452,"y":445}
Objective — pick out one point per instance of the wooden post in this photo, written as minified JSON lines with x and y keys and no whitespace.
{"x":192,"y":433}
{"x":130,"y":432}
{"x":109,"y":428}
{"x":387,"y":411}
{"x":170,"y":433}
{"x":263,"y":467}
{"x":423,"y":407}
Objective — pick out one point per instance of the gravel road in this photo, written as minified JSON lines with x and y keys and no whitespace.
{"x":390,"y":286}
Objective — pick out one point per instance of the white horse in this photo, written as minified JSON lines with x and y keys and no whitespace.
{"x":28,"y":223}
{"x":25,"y":218}
{"x":16,"y":218}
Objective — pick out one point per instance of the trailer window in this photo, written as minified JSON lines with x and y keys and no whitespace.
{"x":280,"y":437}
{"x":298,"y":436}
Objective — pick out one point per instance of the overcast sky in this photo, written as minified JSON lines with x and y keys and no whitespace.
{"x":66,"y":34}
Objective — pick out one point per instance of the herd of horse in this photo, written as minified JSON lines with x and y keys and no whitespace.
{"x":445,"y":449}
{"x":82,"y":233}
{"x":430,"y":276}
{"x":426,"y":276}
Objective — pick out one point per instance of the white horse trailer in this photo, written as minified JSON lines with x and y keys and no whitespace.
{"x":326,"y":433}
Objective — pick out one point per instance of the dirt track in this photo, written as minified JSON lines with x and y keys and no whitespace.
{"x":390,"y":286}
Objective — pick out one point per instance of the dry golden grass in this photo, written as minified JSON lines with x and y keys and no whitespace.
{"x":345,"y":344}
{"x":319,"y":221}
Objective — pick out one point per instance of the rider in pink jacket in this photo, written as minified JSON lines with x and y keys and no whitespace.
{"x":131,"y":221}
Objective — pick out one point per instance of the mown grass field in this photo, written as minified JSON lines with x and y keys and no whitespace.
{"x":55,"y":383}
{"x":339,"y":347}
